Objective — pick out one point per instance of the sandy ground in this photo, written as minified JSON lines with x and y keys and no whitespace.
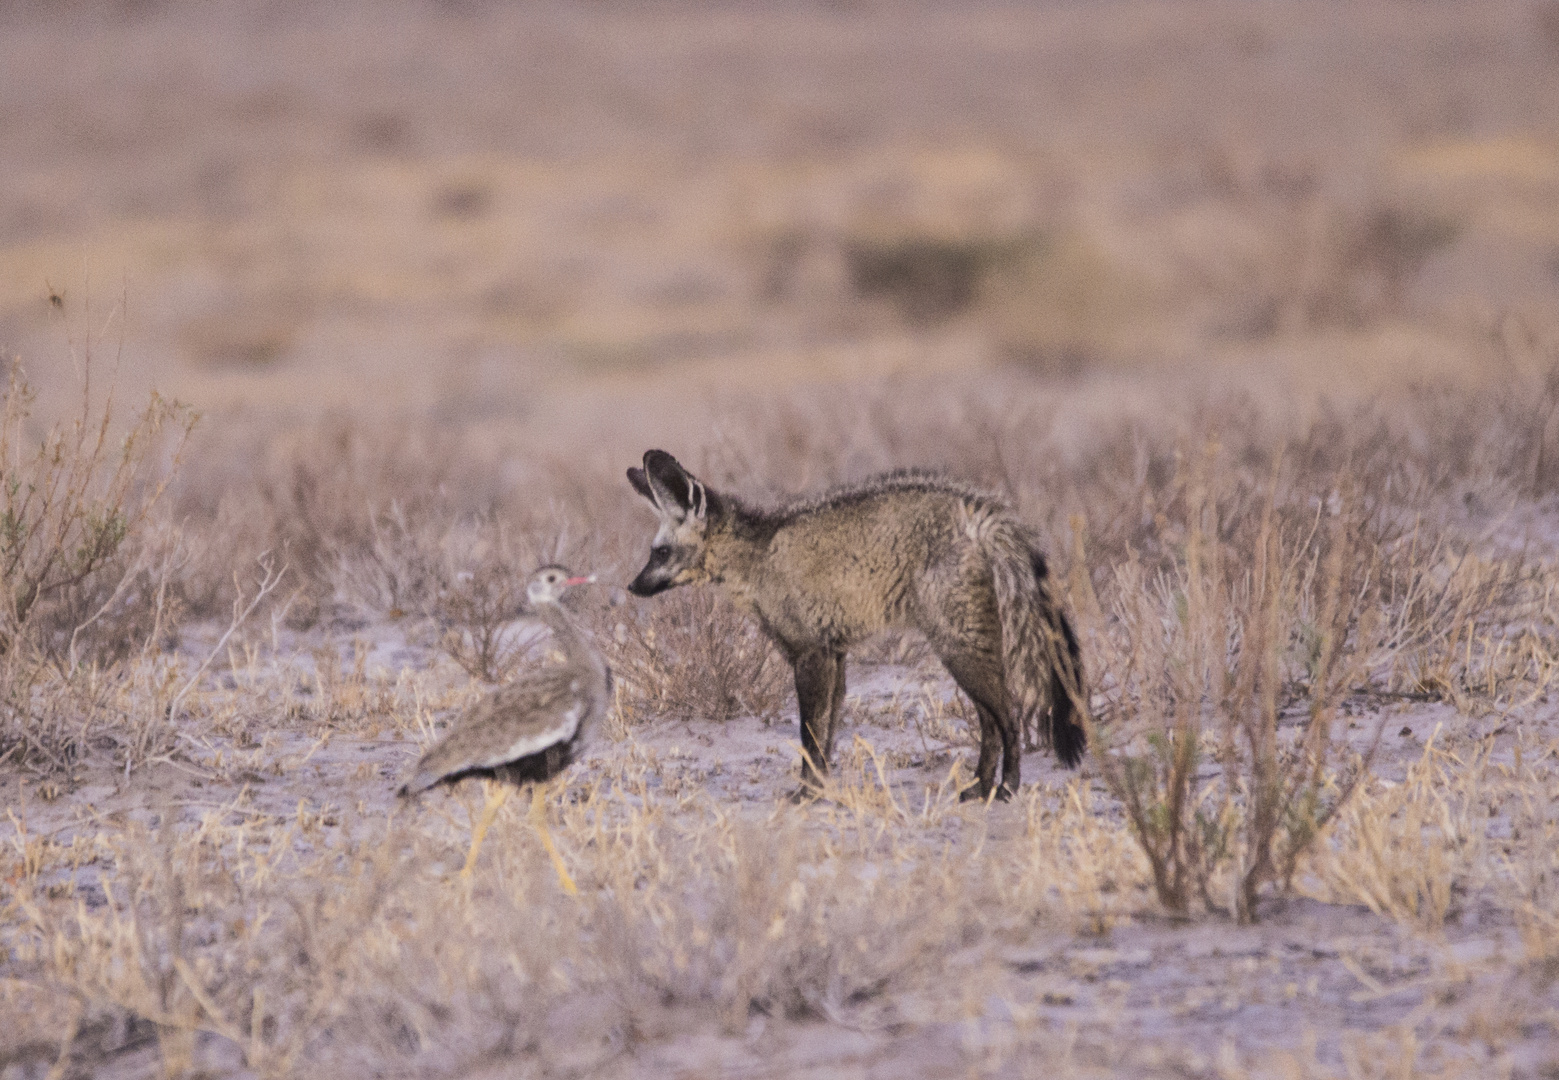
{"x":1331,"y":985}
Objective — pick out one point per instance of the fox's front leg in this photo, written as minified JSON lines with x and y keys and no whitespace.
{"x":835,"y":707}
{"x":816,"y":674}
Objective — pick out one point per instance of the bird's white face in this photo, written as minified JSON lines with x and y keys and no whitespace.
{"x":548,"y":584}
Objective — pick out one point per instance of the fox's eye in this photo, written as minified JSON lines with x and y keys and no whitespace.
{"x":660,"y":551}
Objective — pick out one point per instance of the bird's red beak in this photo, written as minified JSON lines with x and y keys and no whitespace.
{"x":587,"y":580}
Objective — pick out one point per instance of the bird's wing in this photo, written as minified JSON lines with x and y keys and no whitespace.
{"x":514,"y":721}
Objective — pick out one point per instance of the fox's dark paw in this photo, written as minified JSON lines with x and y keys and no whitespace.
{"x":806,"y":793}
{"x":982,"y":793}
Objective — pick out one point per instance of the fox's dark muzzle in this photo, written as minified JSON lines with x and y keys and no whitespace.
{"x":656,"y":575}
{"x":646,"y":585}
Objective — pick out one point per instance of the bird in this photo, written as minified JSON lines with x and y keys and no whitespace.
{"x":529,"y":730}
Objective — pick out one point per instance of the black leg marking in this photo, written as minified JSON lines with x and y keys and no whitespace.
{"x":835,"y":708}
{"x":815,"y":673}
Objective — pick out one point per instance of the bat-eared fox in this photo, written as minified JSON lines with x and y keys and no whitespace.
{"x":903,"y":550}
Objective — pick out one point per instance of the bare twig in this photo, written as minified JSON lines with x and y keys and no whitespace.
{"x":271,"y":579}
{"x":120,"y":588}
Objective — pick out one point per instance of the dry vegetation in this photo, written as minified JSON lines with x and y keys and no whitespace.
{"x":1247,"y":309}
{"x":1256,"y":609}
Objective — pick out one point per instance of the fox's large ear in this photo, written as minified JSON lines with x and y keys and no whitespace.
{"x":640,"y":484}
{"x":673,"y":487}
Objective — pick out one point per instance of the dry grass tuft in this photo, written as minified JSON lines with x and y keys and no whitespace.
{"x":1408,"y":851}
{"x":691,"y":654}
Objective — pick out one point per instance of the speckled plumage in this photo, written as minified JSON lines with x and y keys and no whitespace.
{"x":530,"y":728}
{"x":904,"y":550}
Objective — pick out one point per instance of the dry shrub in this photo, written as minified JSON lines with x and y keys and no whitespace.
{"x":401,"y":521}
{"x":482,"y":591}
{"x":399,"y":567}
{"x":87,"y":578}
{"x":1249,"y":609}
{"x":690,"y":654}
{"x":460,"y":581}
{"x":342,"y":697}
{"x":1265,"y":614}
{"x":365,"y":512}
{"x":1524,"y":430}
{"x":476,"y":611}
{"x":1473,"y":631}
{"x":77,"y":510}
{"x":347,"y":500}
{"x":1489,"y":446}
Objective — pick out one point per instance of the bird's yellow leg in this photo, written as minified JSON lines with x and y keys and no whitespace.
{"x":497,"y":795}
{"x":538,"y":817}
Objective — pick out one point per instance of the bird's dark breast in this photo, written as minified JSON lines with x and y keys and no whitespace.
{"x":530,"y":769}
{"x":540,"y":766}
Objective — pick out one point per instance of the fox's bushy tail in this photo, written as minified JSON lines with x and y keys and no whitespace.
{"x":1067,"y":693}
{"x":1038,"y":641}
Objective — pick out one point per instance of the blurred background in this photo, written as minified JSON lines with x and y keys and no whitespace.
{"x":569,"y":218}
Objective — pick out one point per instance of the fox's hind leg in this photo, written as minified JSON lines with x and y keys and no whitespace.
{"x":981,"y":681}
{"x":990,"y":757}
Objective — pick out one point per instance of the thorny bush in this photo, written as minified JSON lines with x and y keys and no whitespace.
{"x":1224,"y":672}
{"x":86,"y":575}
